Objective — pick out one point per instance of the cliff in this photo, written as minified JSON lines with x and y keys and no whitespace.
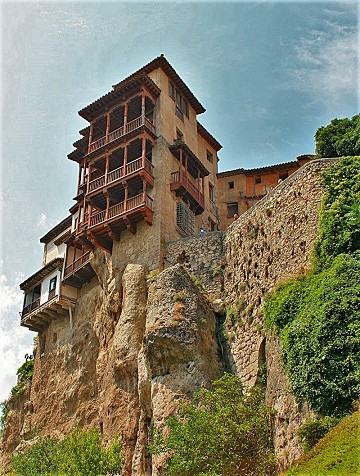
{"x":138,"y":343}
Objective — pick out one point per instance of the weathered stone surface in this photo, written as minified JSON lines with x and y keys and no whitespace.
{"x":268,"y":244}
{"x":134,"y":348}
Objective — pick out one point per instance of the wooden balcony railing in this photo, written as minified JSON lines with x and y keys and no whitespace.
{"x":134,"y":166}
{"x":181,"y":178}
{"x":121,"y":209}
{"x":52,"y":294}
{"x":122,"y":131}
{"x":31,"y":307}
{"x":78,"y":263}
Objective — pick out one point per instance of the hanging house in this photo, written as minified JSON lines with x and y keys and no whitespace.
{"x":46,"y":297}
{"x":148,"y":174}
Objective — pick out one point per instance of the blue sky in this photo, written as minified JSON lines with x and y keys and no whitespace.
{"x":268,"y":73}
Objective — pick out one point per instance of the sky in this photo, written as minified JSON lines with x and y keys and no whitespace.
{"x":268,"y":73}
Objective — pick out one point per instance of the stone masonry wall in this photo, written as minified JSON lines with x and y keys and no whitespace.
{"x":270,"y":243}
{"x":203,"y":257}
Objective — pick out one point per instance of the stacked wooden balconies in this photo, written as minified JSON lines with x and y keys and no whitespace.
{"x":116,"y":174}
{"x":188,"y":180}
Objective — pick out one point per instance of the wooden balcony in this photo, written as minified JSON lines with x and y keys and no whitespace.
{"x":183,"y":185}
{"x":136,"y":166}
{"x":130,"y":127}
{"x":79,"y":272}
{"x":37,"y":316}
{"x":125,"y":209}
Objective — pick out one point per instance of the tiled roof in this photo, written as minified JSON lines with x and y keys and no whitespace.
{"x":56,"y":263}
{"x":162,"y":62}
{"x":208,"y":137}
{"x":259,"y":170}
{"x":92,"y":110}
{"x":59,"y":228}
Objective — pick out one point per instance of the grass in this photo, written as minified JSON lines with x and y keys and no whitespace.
{"x":335,"y":454}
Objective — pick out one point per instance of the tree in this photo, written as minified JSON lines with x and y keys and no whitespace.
{"x":339,"y":138}
{"x":221,"y":432}
{"x":80,"y":454}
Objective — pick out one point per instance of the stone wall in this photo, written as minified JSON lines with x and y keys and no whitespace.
{"x":203,"y":257}
{"x":270,"y":243}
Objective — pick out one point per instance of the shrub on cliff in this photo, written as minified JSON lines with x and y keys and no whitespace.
{"x":318,"y":315}
{"x":339,"y":138}
{"x":24,"y":374}
{"x":335,"y":454}
{"x":80,"y":454}
{"x":221,"y":432}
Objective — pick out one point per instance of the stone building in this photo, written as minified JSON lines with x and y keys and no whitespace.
{"x":148,"y":176}
{"x":239,"y":189}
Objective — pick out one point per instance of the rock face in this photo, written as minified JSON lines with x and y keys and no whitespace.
{"x":136,"y":346}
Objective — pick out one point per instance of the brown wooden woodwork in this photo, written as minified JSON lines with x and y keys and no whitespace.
{"x":100,"y":242}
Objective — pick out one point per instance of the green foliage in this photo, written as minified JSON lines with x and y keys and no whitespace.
{"x":339,"y":138}
{"x":312,"y":431}
{"x":318,"y":315}
{"x":318,"y":318}
{"x":79,"y":454}
{"x":339,"y":230}
{"x":152,"y":276}
{"x":180,"y":296}
{"x":24,"y":373}
{"x":197,"y":282}
{"x":4,"y":412}
{"x":221,"y":432}
{"x":337,"y":454}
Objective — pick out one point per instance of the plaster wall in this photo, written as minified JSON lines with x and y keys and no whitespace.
{"x":167,"y":120}
{"x":45,"y":285}
{"x":51,"y":251}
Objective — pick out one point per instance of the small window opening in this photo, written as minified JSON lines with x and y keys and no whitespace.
{"x":257,"y":180}
{"x":231,"y":184}
{"x":232,"y":209}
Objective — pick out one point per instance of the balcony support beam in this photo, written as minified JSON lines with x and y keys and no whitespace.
{"x":100,"y":242}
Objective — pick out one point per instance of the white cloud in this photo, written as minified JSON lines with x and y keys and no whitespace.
{"x":42,"y":219}
{"x":328,"y":64}
{"x":15,"y":341}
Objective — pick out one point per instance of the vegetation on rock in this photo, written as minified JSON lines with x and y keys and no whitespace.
{"x":313,"y":430}
{"x":221,"y":432}
{"x":80,"y":453}
{"x":337,"y":454}
{"x":24,"y":373}
{"x":318,"y":315}
{"x":339,"y":138}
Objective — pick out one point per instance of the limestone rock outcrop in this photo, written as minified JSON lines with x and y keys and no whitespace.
{"x":136,"y":345}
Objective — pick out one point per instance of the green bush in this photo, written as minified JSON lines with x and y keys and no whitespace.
{"x":337,"y":454}
{"x":221,"y":432}
{"x":24,"y":373}
{"x":312,"y":431}
{"x":339,"y":228}
{"x":4,"y":412}
{"x":79,"y":454}
{"x":339,"y":138}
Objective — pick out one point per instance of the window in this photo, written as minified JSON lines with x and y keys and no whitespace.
{"x":172,"y":90}
{"x":211,"y":192}
{"x":52,"y":288}
{"x":283,"y":176}
{"x":181,"y":105}
{"x":257,"y":180}
{"x":185,"y":219}
{"x":231,"y":184}
{"x":179,"y":135}
{"x":209,"y":156}
{"x":211,"y":224}
{"x":232,"y":209}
